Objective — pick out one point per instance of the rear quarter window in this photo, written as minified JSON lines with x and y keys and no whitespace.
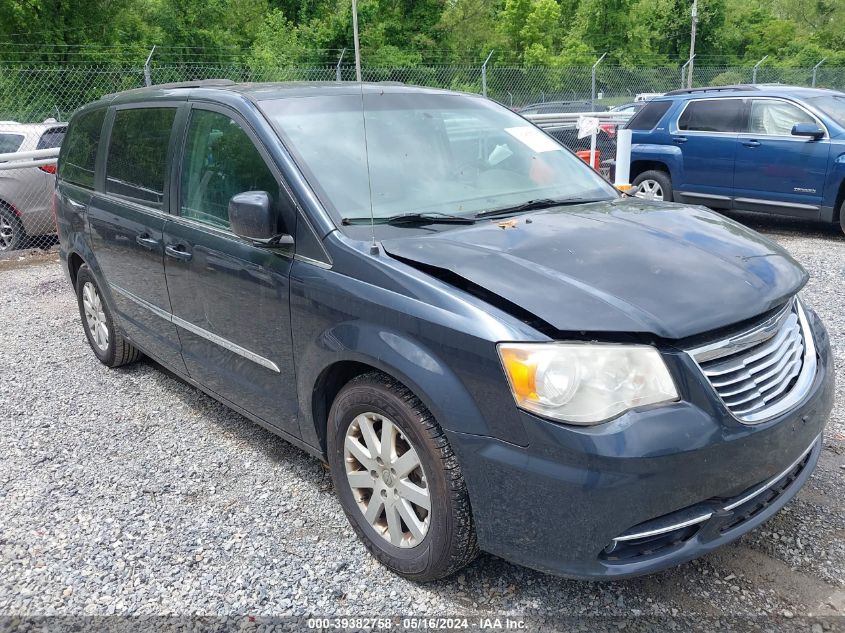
{"x":52,"y":138}
{"x":10,"y":142}
{"x":649,"y":116}
{"x":79,"y":149}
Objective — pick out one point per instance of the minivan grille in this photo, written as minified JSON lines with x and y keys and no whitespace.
{"x":755,"y":372}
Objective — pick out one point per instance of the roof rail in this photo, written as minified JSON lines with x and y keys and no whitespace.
{"x":197,"y":83}
{"x":738,"y":87}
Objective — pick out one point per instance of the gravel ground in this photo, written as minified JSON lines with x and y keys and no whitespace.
{"x":129,"y":492}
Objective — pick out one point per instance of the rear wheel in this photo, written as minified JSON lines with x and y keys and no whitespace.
{"x":106,"y":341}
{"x":398,"y":480}
{"x":654,"y":185}
{"x":12,"y":235}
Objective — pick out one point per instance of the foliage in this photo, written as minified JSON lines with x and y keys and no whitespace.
{"x":407,"y":33}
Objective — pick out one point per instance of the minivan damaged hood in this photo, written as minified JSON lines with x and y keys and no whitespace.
{"x":626,"y":265}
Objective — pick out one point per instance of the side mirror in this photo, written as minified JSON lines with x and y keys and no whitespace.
{"x":807,"y":129}
{"x":251,"y":216}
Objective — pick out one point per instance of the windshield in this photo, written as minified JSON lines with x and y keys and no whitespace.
{"x":447,"y":154}
{"x":832,"y":105}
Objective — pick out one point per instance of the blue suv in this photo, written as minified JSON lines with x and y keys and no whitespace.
{"x":774,"y":149}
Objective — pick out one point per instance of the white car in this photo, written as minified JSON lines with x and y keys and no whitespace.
{"x":26,"y":193}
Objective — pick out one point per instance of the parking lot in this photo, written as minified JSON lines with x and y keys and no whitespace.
{"x":129,"y":492}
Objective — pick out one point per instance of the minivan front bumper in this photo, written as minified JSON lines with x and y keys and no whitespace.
{"x":599,"y":502}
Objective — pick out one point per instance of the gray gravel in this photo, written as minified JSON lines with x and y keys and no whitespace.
{"x":129,"y":492}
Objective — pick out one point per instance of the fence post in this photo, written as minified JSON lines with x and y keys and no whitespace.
{"x":754,"y":70}
{"x":337,"y":69}
{"x":593,"y":87}
{"x":484,"y":74}
{"x":683,"y":72}
{"x":147,"y":77}
{"x":815,"y":68}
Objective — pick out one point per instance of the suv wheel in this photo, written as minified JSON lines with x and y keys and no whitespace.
{"x":842,"y":216}
{"x":12,"y":235}
{"x":654,"y":185}
{"x":398,"y":480}
{"x":108,"y":344}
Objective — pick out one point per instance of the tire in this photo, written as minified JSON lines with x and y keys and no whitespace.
{"x":12,"y":234}
{"x":105,"y":339}
{"x":443,"y":539}
{"x":655,"y":179}
{"x":842,"y":216}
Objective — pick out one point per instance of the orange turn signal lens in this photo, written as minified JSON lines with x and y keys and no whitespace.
{"x":521,"y":370}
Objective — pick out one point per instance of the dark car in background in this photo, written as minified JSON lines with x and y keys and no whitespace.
{"x":772,"y":149}
{"x":553,"y":107}
{"x":489,"y":346}
{"x":567,"y":133}
{"x":629,"y":108}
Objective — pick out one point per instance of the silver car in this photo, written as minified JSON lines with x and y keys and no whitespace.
{"x":26,"y":194}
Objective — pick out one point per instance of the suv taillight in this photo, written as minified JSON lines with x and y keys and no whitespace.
{"x":50,"y":169}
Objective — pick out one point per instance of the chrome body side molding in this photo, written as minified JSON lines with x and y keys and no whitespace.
{"x":195,"y":329}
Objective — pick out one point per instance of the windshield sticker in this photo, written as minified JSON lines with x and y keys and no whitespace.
{"x":535,"y":139}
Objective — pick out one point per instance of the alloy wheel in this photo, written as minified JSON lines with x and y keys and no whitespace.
{"x":387,"y":479}
{"x":92,"y":304}
{"x":7,"y":234}
{"x":650,"y":190}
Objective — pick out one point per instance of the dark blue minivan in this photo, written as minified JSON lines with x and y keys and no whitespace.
{"x":771,"y":149}
{"x":490,"y":347}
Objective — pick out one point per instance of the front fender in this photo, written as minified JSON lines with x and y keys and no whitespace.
{"x":400,"y":356}
{"x":443,"y":348}
{"x":833,"y":182}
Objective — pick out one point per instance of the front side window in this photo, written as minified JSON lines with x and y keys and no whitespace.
{"x":713,"y":115}
{"x":832,"y":105}
{"x":776,"y":118}
{"x":10,"y":142}
{"x":79,"y":151}
{"x":396,"y":153}
{"x":220,"y":161}
{"x":137,"y":161}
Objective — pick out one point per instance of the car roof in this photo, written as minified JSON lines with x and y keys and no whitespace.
{"x":264,"y":91}
{"x":745,"y":90}
{"x":21,"y":128}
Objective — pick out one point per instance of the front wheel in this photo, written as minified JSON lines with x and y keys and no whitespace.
{"x":654,"y":185}
{"x":398,"y":480}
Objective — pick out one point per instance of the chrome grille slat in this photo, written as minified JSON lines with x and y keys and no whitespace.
{"x":778,"y":387}
{"x":766,"y":348}
{"x":758,"y":380}
{"x":761,"y":372}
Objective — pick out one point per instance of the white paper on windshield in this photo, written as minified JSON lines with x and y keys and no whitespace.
{"x":533,"y":138}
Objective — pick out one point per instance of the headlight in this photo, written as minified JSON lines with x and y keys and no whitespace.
{"x":585,"y":383}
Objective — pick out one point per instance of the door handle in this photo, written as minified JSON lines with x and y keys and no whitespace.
{"x":679,"y":139}
{"x":178,"y":252}
{"x":751,"y":143}
{"x":146,"y":241}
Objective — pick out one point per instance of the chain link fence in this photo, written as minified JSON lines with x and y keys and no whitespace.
{"x":36,"y":101}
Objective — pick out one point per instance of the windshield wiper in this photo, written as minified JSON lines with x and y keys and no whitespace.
{"x":431,"y":217}
{"x":533,"y":205}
